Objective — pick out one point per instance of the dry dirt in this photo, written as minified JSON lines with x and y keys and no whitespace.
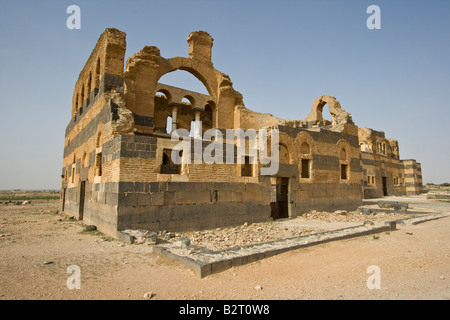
{"x":37,"y":245}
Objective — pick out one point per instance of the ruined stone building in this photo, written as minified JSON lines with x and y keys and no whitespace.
{"x":117,"y":170}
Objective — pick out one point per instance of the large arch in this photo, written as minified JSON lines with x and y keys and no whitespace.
{"x":205,"y":74}
{"x":145,"y":68}
{"x":339,"y":116}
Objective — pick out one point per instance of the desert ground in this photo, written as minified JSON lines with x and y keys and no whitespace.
{"x":38,"y":244}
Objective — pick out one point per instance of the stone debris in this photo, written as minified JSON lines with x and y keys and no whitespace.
{"x":182,"y":242}
{"x":399,"y":206}
{"x":148,"y":295}
{"x":90,"y":228}
{"x":17,"y":202}
{"x":255,"y":233}
{"x":246,"y":234}
{"x":141,"y":236}
{"x":360,"y":215}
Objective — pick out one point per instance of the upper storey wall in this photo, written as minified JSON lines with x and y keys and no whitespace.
{"x":102,"y":71}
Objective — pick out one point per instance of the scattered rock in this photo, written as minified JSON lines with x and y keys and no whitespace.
{"x":168,"y":235}
{"x":18,"y":203}
{"x":141,"y":236}
{"x":366,"y":211}
{"x":258,"y":287}
{"x":26,"y":202}
{"x":183,"y":242}
{"x":90,"y":228}
{"x":48,"y":262}
{"x":341,"y":212}
{"x":441,"y":277}
{"x":399,"y":206}
{"x":368,"y":223}
{"x":148,"y":295}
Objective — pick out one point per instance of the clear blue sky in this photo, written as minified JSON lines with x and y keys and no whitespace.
{"x":280,"y":55}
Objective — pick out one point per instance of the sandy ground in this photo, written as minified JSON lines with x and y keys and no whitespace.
{"x":414,"y":263}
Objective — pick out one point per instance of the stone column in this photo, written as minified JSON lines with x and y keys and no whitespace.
{"x":174,"y":118}
{"x":174,"y":107}
{"x":198,"y":125}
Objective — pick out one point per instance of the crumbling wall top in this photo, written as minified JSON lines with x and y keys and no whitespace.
{"x":340,"y":117}
{"x":200,"y":46}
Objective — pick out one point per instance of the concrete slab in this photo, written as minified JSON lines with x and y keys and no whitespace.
{"x":205,"y":262}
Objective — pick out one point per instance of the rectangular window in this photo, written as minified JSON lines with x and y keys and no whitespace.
{"x":305,"y":168}
{"x":98,"y":164}
{"x":167,"y":166}
{"x":73,"y":173}
{"x":344,"y":171}
{"x":247,"y":168}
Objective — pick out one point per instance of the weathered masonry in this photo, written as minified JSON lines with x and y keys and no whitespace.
{"x":118,"y":174}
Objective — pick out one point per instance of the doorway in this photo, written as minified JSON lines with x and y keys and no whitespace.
{"x":385,"y":193}
{"x":279,"y":198}
{"x":82,"y":197}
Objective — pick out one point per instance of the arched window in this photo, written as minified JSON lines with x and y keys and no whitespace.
{"x":284,"y":154}
{"x":208,"y":116}
{"x":81,"y":99}
{"x":185,"y":80}
{"x":304,"y":148}
{"x":84,"y":162}
{"x":89,"y":88}
{"x":97,"y":74}
{"x":98,"y":155}
{"x":343,"y":154}
{"x":343,"y":164}
{"x":187,"y":101}
{"x":73,"y":168}
{"x":76,"y":103}
{"x":162,"y":111}
{"x":305,"y":151}
{"x":98,"y":140}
